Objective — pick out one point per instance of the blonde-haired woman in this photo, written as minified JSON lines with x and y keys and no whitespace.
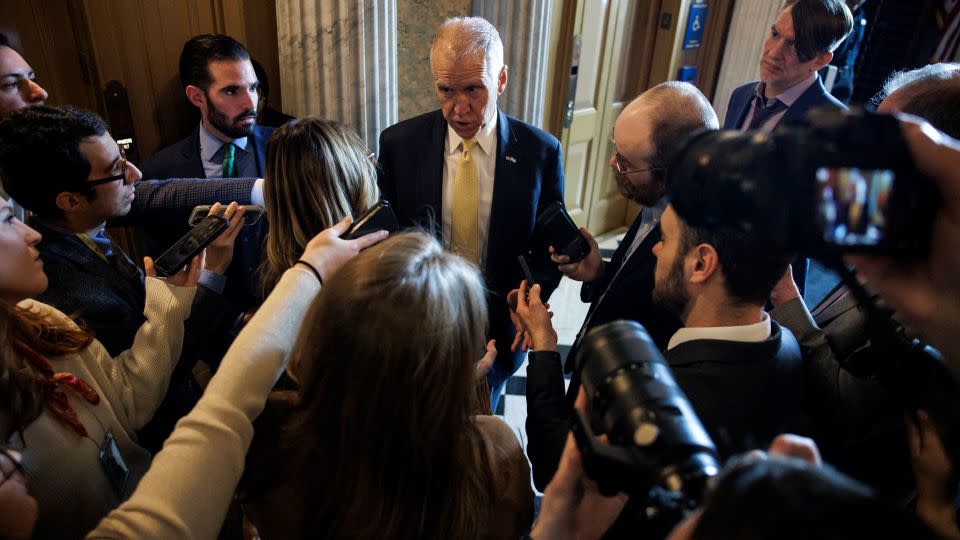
{"x":381,"y":441}
{"x":317,"y":172}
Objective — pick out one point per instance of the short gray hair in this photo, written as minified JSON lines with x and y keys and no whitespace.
{"x":470,"y":36}
{"x":915,"y":78}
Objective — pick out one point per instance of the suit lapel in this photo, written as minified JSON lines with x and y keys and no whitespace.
{"x":260,"y":148}
{"x":428,"y":177}
{"x":744,"y":107}
{"x":191,"y":154}
{"x":507,"y":190}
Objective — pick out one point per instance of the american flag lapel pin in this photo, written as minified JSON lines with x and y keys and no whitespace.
{"x":511,"y":159}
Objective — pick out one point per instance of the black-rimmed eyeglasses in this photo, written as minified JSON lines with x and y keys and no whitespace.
{"x":122,"y":175}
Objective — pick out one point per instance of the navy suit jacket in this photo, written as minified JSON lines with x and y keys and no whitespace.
{"x":813,"y":97}
{"x":183,"y":160}
{"x":411,"y":178}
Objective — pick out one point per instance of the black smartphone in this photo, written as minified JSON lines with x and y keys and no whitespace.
{"x":174,"y":259}
{"x":526,"y":274}
{"x":251,"y":213}
{"x":559,"y":231}
{"x":379,"y":218}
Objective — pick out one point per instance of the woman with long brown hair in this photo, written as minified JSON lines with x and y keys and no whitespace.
{"x":68,"y":407}
{"x":317,"y":172}
{"x":381,"y":441}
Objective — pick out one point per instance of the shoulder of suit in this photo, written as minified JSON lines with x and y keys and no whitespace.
{"x":160,"y":157}
{"x":748,"y":88}
{"x":519,"y":126}
{"x":421,"y":122}
{"x":265,"y":131}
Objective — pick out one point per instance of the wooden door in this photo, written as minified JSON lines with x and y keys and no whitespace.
{"x":608,"y":44}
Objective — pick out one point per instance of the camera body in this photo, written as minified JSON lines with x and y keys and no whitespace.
{"x":658,"y":449}
{"x":844,"y":182}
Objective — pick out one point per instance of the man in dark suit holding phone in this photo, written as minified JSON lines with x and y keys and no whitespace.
{"x":649,"y":130}
{"x":475,"y":176}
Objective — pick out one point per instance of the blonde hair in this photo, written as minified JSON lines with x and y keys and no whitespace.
{"x":387,"y":356}
{"x":317,"y":172}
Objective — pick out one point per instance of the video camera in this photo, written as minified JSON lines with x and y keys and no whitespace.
{"x":843,"y":182}
{"x":658,"y":450}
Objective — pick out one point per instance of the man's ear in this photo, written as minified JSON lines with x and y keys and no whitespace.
{"x":821,"y":61}
{"x":702,"y":262}
{"x":68,"y":202}
{"x":196,"y":96}
{"x":502,"y":80}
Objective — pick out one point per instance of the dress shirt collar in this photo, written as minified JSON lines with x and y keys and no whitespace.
{"x":790,"y":95}
{"x":651,"y":215}
{"x":751,"y":333}
{"x":210,"y":145}
{"x":486,"y":137}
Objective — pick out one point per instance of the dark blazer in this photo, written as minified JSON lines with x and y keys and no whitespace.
{"x":740,"y":101}
{"x":628,"y":297}
{"x":108,"y":298}
{"x":411,"y":178}
{"x":744,"y":393}
{"x":182,"y":160}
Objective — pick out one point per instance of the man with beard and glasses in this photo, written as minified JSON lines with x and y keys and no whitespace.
{"x":650,"y":129}
{"x":218,"y":78}
{"x":742,"y":372}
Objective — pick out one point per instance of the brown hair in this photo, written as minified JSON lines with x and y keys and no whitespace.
{"x":20,"y":400}
{"x":382,"y":443}
{"x":820,"y":26}
{"x":317,"y":172}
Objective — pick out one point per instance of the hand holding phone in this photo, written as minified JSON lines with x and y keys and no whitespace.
{"x":188,"y":247}
{"x":559,"y":230}
{"x":251,"y":213}
{"x":378,"y":218}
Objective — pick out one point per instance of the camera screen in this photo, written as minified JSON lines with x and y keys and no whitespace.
{"x":853,"y":205}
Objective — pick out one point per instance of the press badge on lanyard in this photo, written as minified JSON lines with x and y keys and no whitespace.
{"x":113,"y":464}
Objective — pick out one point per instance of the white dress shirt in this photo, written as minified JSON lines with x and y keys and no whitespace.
{"x":484,"y":154}
{"x":788,"y":97}
{"x":751,"y":333}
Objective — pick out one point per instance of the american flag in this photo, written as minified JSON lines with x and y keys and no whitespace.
{"x":948,"y":20}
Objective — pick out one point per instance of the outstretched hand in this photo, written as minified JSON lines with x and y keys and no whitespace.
{"x":219,"y":254}
{"x":186,"y":277}
{"x":534,"y":318}
{"x":586,"y":269}
{"x":327,"y":252}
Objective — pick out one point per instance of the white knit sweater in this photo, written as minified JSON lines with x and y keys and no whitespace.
{"x":186,"y":492}
{"x":65,"y":473}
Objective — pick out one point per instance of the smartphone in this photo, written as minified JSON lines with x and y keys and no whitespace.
{"x":528,"y":275}
{"x":251,"y":213}
{"x":559,"y":231}
{"x":379,"y":218}
{"x":174,"y":259}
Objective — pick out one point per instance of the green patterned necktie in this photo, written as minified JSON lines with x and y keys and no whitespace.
{"x":229,"y":166}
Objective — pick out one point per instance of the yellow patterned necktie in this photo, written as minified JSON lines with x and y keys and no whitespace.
{"x":465,"y":239}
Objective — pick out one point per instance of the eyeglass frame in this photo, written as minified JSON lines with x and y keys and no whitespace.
{"x":17,"y":466}
{"x":618,"y":158}
{"x":123,"y":172}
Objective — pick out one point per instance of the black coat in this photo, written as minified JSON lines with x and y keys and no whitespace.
{"x":528,"y":177}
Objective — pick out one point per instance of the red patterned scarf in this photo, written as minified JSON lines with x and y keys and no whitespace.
{"x":51,"y":386}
